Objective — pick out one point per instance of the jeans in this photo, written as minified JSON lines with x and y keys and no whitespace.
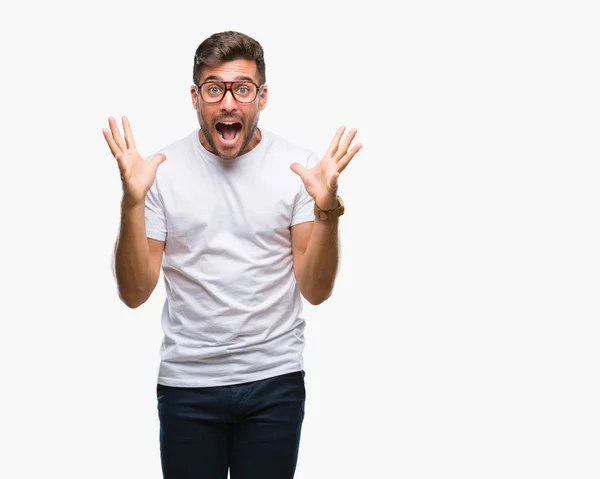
{"x":252,"y":429}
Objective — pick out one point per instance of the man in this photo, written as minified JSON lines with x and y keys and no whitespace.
{"x":239,"y":239}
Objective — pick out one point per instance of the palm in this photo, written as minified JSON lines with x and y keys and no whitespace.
{"x":137,"y":175}
{"x":321,"y":181}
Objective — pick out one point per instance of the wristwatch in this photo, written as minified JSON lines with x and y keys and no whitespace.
{"x":330,"y":214}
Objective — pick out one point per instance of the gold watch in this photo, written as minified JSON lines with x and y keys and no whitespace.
{"x":330,"y":214}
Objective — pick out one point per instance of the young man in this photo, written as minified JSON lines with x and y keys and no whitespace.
{"x":243,"y":223}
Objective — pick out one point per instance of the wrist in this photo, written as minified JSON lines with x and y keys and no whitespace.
{"x":328,"y":204}
{"x":330,"y":213}
{"x":128,"y":203}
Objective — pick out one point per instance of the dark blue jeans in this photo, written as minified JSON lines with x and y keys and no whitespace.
{"x":253,"y":429}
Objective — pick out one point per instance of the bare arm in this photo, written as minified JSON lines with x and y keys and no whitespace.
{"x":315,"y":249}
{"x":315,"y":245}
{"x":137,"y":258}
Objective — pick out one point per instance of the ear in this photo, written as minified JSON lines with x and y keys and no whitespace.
{"x":262,"y":99}
{"x":194,"y":96}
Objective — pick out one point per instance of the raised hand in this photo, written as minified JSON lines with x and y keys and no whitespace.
{"x":137,"y":174}
{"x":321,"y":181}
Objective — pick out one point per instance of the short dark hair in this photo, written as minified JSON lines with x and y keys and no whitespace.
{"x":228,"y":46}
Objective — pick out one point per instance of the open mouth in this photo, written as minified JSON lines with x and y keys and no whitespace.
{"x":228,"y":131}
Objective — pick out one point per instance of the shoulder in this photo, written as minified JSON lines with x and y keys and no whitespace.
{"x":286,"y":150}
{"x":176,"y":152}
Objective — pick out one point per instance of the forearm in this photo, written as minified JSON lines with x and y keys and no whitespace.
{"x":319,"y":265}
{"x":133,"y":270}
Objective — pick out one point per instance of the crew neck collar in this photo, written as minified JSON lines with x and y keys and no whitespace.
{"x":233,"y":161}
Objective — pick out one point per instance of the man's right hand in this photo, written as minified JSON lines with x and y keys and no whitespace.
{"x":137,"y":174}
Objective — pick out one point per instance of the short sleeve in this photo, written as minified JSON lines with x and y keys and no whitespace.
{"x":304,"y":206}
{"x":156,"y":225}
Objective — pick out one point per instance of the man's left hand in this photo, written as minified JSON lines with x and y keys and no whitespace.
{"x":321,"y":181}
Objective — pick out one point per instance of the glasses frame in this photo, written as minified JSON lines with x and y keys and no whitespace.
{"x":228,"y":87}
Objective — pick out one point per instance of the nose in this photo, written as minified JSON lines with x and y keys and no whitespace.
{"x":228,"y":103}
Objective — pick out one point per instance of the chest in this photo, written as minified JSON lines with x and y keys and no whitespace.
{"x":214,"y":207}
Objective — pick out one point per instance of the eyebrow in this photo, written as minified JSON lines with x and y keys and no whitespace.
{"x":237,"y":78}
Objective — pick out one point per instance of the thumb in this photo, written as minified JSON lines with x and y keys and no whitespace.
{"x":299,"y":170}
{"x":157,"y":160}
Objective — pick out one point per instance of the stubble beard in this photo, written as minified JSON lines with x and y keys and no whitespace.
{"x":208,"y":132}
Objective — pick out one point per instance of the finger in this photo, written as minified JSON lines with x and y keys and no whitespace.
{"x":333,"y":146}
{"x":299,"y":170}
{"x":121,"y":163}
{"x":129,"y":140}
{"x":333,"y":181}
{"x":343,"y":163}
{"x":114,"y":129}
{"x":114,"y":148}
{"x":343,"y":149}
{"x":157,"y":160}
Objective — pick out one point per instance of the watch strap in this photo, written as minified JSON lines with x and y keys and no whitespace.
{"x":330,"y":214}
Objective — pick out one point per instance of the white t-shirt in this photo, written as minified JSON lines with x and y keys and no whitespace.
{"x":233,"y":307}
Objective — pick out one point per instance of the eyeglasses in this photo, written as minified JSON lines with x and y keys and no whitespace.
{"x":214,"y":91}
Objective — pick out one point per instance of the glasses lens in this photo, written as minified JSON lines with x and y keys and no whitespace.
{"x":244,"y":92}
{"x":213,"y":92}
